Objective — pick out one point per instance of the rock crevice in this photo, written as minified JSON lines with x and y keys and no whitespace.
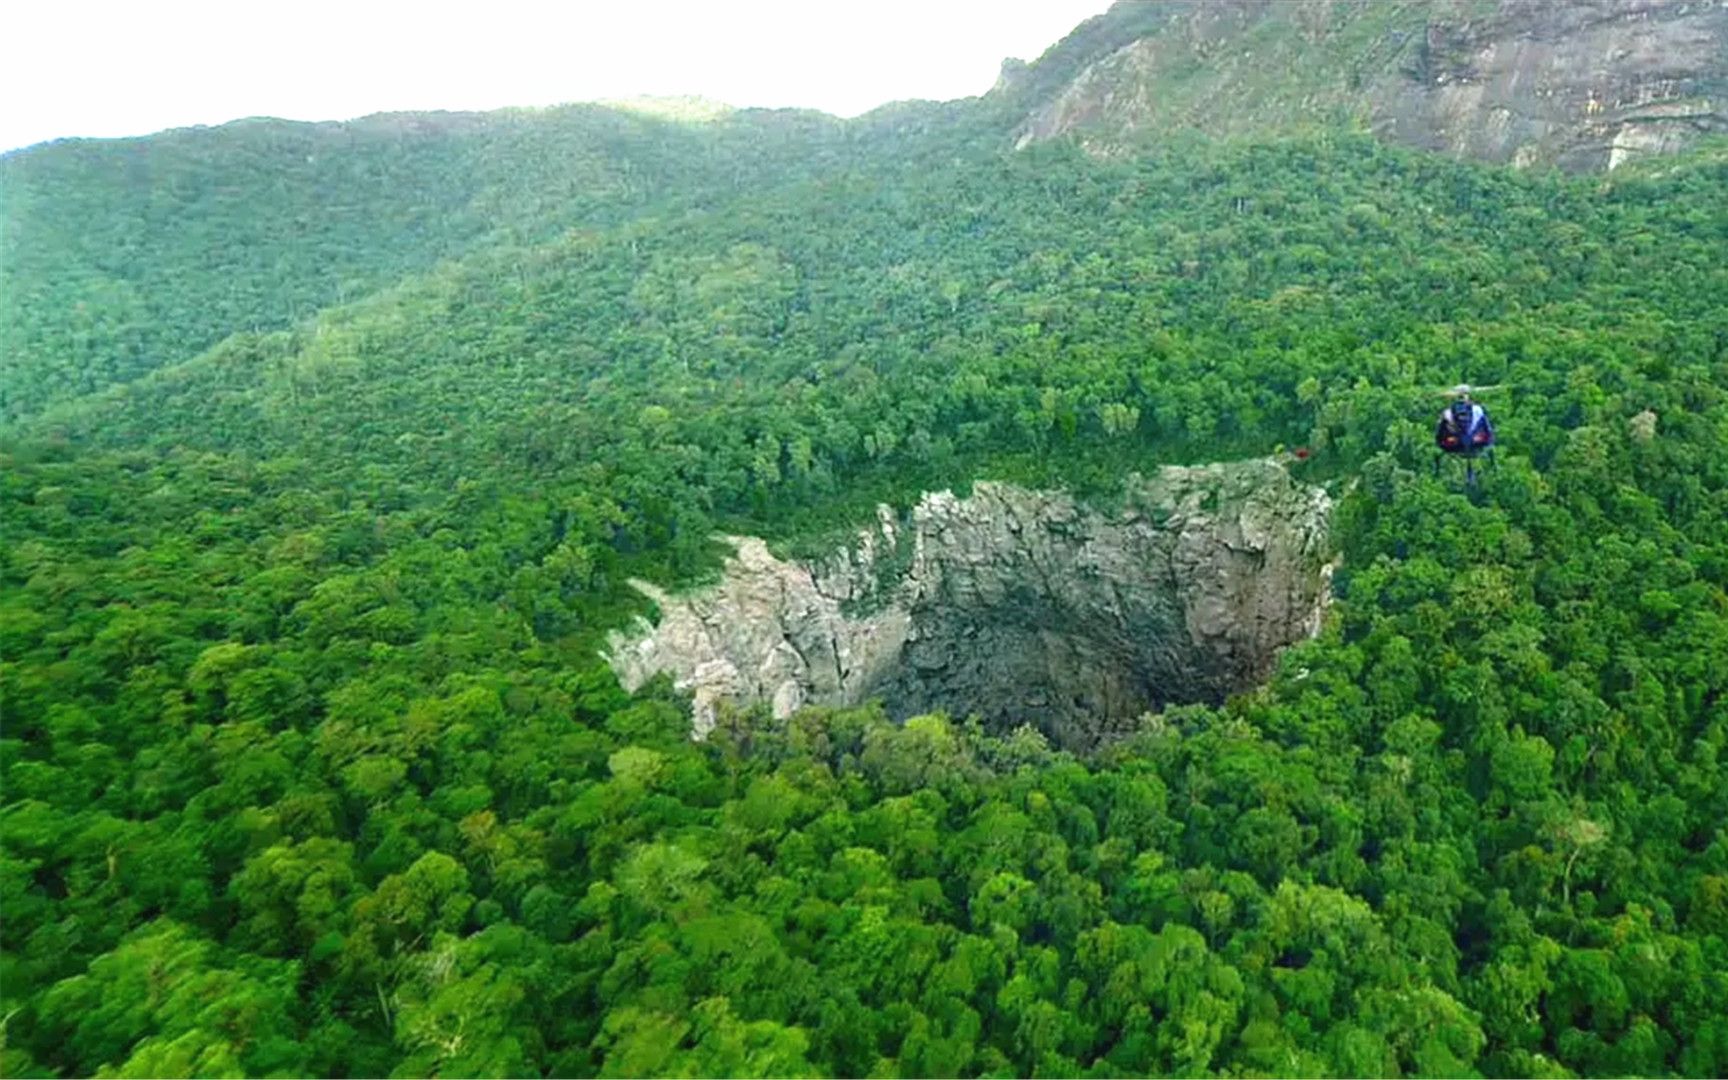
{"x":1022,"y":606}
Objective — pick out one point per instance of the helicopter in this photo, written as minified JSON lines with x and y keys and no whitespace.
{"x":1464,"y":429}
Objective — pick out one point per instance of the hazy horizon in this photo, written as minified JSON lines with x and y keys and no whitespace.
{"x":196,"y":63}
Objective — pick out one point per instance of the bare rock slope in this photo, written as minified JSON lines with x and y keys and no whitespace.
{"x":1584,"y":84}
{"x":1022,"y":606}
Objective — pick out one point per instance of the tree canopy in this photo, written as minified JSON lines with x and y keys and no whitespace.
{"x":311,"y":767}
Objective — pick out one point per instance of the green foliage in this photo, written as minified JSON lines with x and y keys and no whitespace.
{"x":309,"y":766}
{"x":126,"y":256}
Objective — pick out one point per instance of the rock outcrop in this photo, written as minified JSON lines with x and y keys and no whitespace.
{"x":1022,"y":606}
{"x":1585,"y":84}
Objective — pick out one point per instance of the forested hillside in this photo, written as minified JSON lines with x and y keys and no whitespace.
{"x":311,"y":765}
{"x":124,"y":256}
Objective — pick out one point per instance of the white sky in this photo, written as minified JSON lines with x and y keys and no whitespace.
{"x":130,"y":67}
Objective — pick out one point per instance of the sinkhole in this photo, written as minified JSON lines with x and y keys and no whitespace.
{"x":1020,"y":606}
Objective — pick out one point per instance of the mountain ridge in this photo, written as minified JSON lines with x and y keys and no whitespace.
{"x":98,"y":233}
{"x":272,"y":220}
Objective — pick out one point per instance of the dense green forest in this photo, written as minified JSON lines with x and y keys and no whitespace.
{"x":311,"y":765}
{"x":128,"y":255}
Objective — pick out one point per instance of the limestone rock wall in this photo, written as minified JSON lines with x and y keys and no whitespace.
{"x":1023,"y":606}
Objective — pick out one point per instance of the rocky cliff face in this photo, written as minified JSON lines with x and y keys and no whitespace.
{"x":1022,"y":606}
{"x":1585,"y":84}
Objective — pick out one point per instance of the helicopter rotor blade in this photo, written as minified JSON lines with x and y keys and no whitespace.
{"x":1467,"y":388}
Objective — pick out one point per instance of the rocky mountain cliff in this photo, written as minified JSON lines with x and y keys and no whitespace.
{"x":1583,"y":84}
{"x":1023,"y":606}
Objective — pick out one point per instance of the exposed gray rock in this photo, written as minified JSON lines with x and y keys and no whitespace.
{"x":1585,"y":84}
{"x":1022,"y":606}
